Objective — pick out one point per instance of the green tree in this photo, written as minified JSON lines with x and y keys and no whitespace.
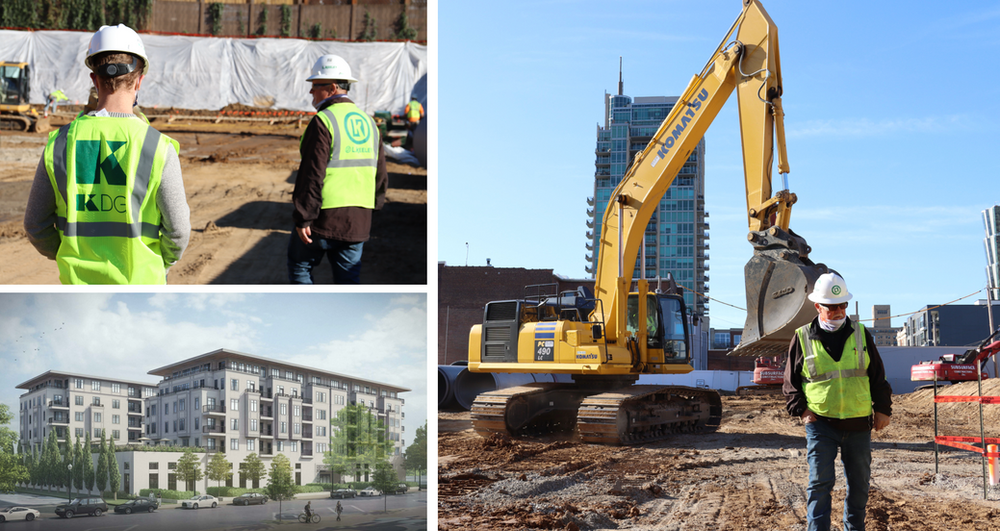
{"x":78,"y":465}
{"x":12,"y":468}
{"x":114,"y":476}
{"x":358,"y":443}
{"x":403,"y":30}
{"x":416,"y":454}
{"x":280,"y":486}
{"x":101,"y":478}
{"x":89,"y":477}
{"x":219,"y":469}
{"x":50,"y":461}
{"x":189,"y":468}
{"x":33,"y":466}
{"x":385,"y":480}
{"x":369,"y":31}
{"x":65,"y":474}
{"x":253,"y":469}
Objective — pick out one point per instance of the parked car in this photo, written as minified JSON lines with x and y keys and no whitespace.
{"x":370,"y":491}
{"x":204,"y":500}
{"x":138,"y":505}
{"x":343,"y":493}
{"x":91,"y":506}
{"x":402,"y":488}
{"x":250,"y":498}
{"x":10,"y":514}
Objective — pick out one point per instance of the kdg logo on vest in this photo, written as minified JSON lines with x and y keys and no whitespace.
{"x":90,"y":167}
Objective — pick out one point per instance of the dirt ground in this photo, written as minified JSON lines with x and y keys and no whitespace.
{"x":750,"y":475}
{"x":239,"y":179}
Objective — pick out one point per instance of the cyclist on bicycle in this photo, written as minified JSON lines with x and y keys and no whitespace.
{"x":309,"y":513}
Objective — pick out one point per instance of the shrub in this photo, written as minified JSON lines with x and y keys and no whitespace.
{"x":231,"y":492}
{"x":167,"y":494}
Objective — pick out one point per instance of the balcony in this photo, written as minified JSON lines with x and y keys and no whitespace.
{"x":58,"y":420}
{"x":306,"y":417}
{"x":269,"y":433}
{"x":220,"y":429}
{"x":213,"y":449}
{"x":267,"y":412}
{"x":97,"y":404}
{"x":266,"y":449}
{"x":214,"y":409}
{"x":59,"y":404}
{"x":265,"y":395}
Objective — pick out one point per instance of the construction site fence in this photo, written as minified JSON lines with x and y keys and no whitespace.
{"x":344,"y":20}
{"x":986,"y":448}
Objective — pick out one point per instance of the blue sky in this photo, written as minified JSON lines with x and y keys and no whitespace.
{"x":379,"y":337}
{"x":891,"y":118}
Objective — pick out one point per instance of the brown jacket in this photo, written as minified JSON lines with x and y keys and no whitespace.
{"x":833,"y":342}
{"x":348,"y":224}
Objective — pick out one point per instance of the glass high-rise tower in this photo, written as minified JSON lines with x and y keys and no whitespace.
{"x":676,"y":239}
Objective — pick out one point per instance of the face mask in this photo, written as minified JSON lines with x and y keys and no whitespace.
{"x":831,"y":326}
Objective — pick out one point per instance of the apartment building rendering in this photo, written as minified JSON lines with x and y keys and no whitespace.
{"x":74,"y":404}
{"x":222,"y":401}
{"x":676,"y":238}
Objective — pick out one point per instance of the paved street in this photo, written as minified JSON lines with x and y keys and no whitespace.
{"x":406,"y":512}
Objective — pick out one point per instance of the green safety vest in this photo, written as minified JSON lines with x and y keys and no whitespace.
{"x":836,"y":389}
{"x":58,"y":96}
{"x":106,"y":174}
{"x":413,"y":111}
{"x":350,"y":172}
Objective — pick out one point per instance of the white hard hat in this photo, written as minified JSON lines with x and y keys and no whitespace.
{"x":120,"y":38}
{"x":830,"y":288}
{"x":331,"y":67}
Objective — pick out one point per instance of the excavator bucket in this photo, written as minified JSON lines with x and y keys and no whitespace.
{"x":779,"y":277}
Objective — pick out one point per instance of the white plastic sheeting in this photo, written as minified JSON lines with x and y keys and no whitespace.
{"x":210,"y":73}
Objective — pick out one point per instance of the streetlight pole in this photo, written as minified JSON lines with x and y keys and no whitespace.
{"x":70,"y":487}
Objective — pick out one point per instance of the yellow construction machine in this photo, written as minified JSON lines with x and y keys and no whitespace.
{"x":629,"y":330}
{"x":15,"y":112}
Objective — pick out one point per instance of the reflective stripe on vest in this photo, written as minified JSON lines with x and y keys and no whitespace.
{"x":836,"y":389}
{"x":351,"y":168}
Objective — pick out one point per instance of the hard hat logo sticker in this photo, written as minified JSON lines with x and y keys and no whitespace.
{"x":835,"y":290}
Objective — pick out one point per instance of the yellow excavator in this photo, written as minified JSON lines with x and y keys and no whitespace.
{"x":15,"y":112}
{"x":606,"y":342}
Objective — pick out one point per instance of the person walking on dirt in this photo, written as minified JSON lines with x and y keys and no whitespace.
{"x":53,"y":100}
{"x":107,"y":202}
{"x":835,"y":382}
{"x":340,"y":509}
{"x":341,"y":179}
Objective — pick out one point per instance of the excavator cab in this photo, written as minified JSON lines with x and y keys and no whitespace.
{"x":666,"y":326}
{"x":15,"y":112}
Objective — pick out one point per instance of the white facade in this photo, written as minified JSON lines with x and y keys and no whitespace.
{"x":76,"y":404}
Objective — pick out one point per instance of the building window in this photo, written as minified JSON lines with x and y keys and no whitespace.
{"x":253,"y":424}
{"x":97,"y":417}
{"x":172,"y":466}
{"x":251,"y":386}
{"x":294,"y":447}
{"x":253,"y":405}
{"x":250,"y":445}
{"x":79,"y":416}
{"x":280,"y":445}
{"x":115,"y":419}
{"x":116,"y":388}
{"x":235,"y":424}
{"x":95,"y":385}
{"x":197,"y":402}
{"x":166,"y":427}
{"x":116,"y":434}
{"x":297,"y":428}
{"x":281,"y":389}
{"x":235,"y":384}
{"x":182,"y":404}
{"x":97,"y":401}
{"x":321,"y":397}
{"x":284,"y":409}
{"x":79,"y":383}
{"x":284,"y":427}
{"x":181,"y":424}
{"x":234,"y":404}
{"x":154,"y":480}
{"x":321,"y":414}
{"x":234,"y":444}
{"x":196,"y":424}
{"x":97,"y":433}
{"x":298,"y":411}
{"x":116,"y":404}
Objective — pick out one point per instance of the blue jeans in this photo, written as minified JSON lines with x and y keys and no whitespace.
{"x":822,"y":442}
{"x":345,"y":257}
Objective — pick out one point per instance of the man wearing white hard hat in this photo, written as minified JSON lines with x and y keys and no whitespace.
{"x":342,"y":178}
{"x":835,"y":382}
{"x":107,"y":203}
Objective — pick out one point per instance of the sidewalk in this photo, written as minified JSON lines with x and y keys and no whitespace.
{"x":28,"y":500}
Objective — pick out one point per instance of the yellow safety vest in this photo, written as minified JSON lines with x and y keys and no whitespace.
{"x":350,"y":171}
{"x":106,"y":174}
{"x":836,"y":389}
{"x":413,"y":111}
